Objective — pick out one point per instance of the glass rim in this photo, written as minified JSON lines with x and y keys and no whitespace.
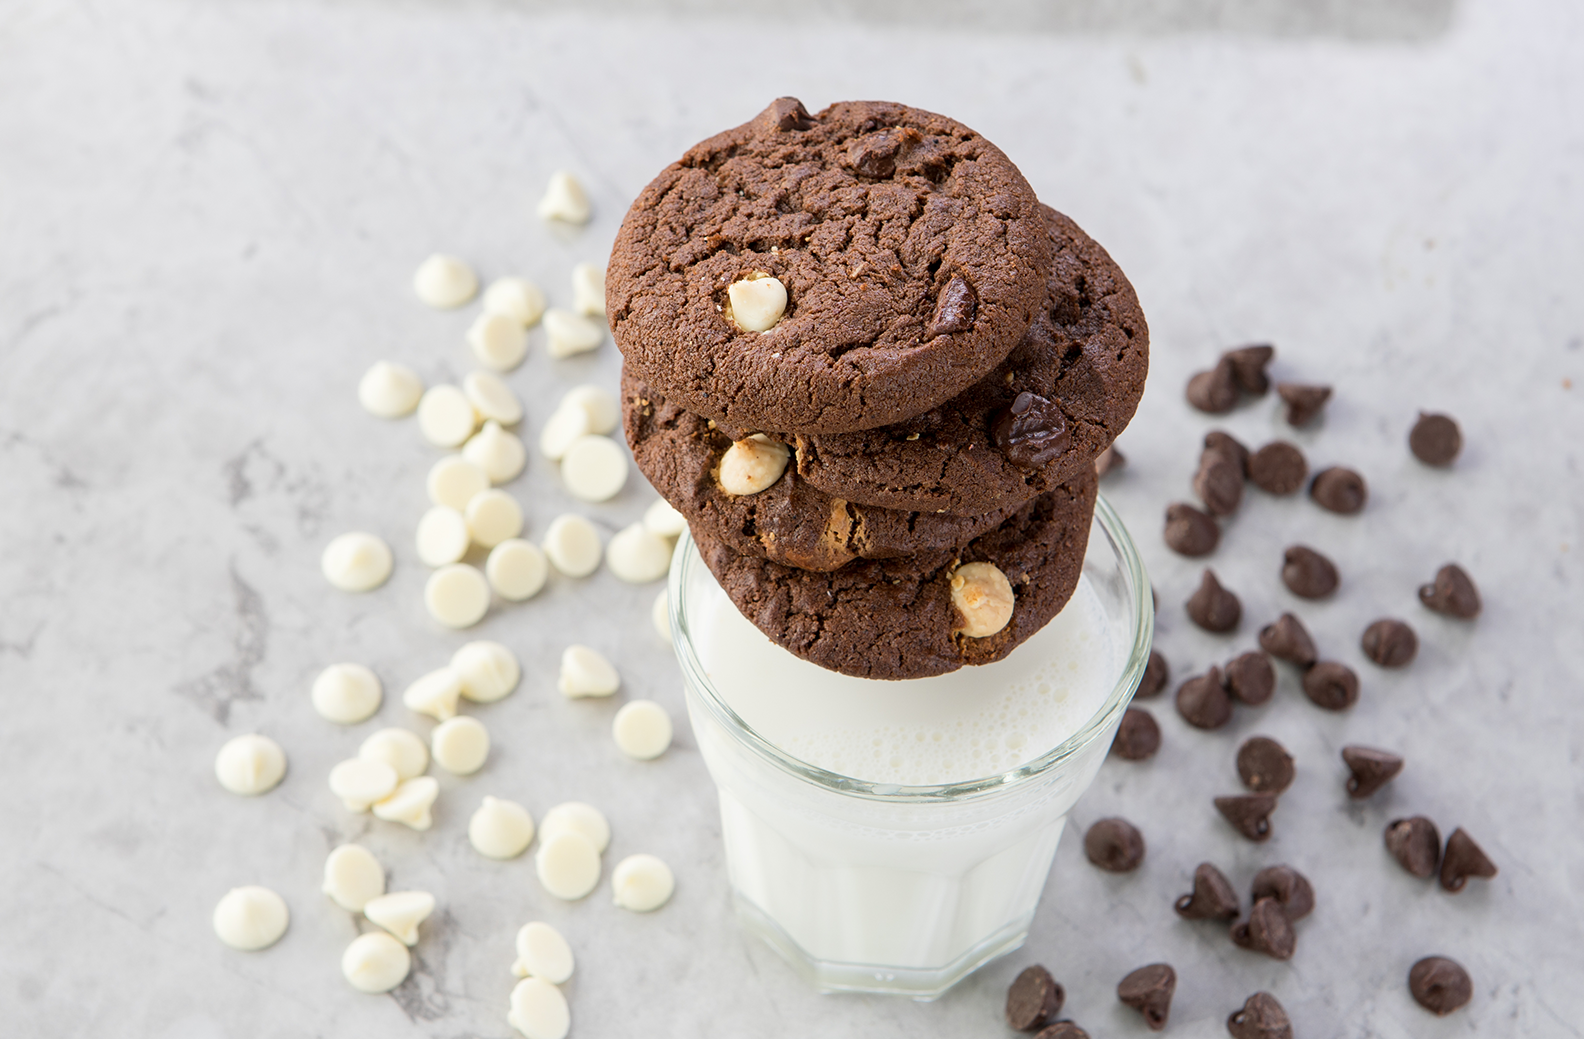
{"x":686,"y":559}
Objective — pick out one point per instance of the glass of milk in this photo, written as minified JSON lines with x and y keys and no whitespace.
{"x":895,"y":836}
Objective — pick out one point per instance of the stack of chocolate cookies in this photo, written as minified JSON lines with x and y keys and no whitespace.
{"x":874,"y":373}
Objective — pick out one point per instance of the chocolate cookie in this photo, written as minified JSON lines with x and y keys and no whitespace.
{"x":896,"y":618}
{"x":789,"y":521}
{"x":911,"y":253}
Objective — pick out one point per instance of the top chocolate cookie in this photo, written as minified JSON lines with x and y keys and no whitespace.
{"x":911,"y":252}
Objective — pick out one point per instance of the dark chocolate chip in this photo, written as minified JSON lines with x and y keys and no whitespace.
{"x":1435,"y":439}
{"x":954,"y":311}
{"x":786,"y":113}
{"x":1190,"y":532}
{"x":1339,"y":490}
{"x":1212,"y":897}
{"x":1156,"y":674}
{"x":1288,"y":640}
{"x":1214,"y":391}
{"x":1149,"y":991}
{"x":1033,"y":1000}
{"x":1331,"y":685}
{"x":1030,"y":432}
{"x":875,"y":155}
{"x":1216,"y":440}
{"x":1463,"y":859}
{"x":1453,"y":593}
{"x":1278,"y":468}
{"x":1115,"y":845}
{"x":1307,"y":573}
{"x":1303,"y":402}
{"x":1415,"y":843}
{"x":1251,"y":678}
{"x":1105,"y":462}
{"x":1390,"y":642}
{"x":1138,"y":736}
{"x":1264,"y":765}
{"x":1203,"y":701}
{"x":1291,"y":890}
{"x":1219,"y":482}
{"x":1212,"y":607}
{"x":1268,"y":929}
{"x":1440,"y":985}
{"x":1063,"y":1030}
{"x":1261,"y":1018}
{"x":1371,"y":768}
{"x":1249,"y":814}
{"x":1248,"y":367}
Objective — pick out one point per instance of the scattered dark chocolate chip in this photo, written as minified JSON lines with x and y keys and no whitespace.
{"x":1033,"y":1000}
{"x":1063,"y":1030}
{"x":1307,"y":573}
{"x":1031,"y":431}
{"x":1288,"y":640}
{"x":955,"y":308}
{"x":1108,"y":460}
{"x":1214,"y":391}
{"x":1390,"y":642}
{"x":1339,"y":490}
{"x":1138,"y":736}
{"x":1371,"y":768}
{"x":1248,"y":367}
{"x":1261,"y":1018}
{"x":1331,"y":685}
{"x":1115,"y":845}
{"x":1149,"y":991}
{"x":1212,"y":607}
{"x":1463,"y":859}
{"x":1268,"y":929}
{"x":1251,"y":678}
{"x":1264,"y":765}
{"x":1415,"y":843}
{"x":1226,"y":444}
{"x":1303,"y":402}
{"x":1435,"y":439}
{"x":1219,"y":482}
{"x":1440,"y":985}
{"x":1190,"y":532}
{"x":875,"y":156}
{"x":787,"y":113}
{"x":1212,"y":897}
{"x":1453,"y":593}
{"x":1291,"y":890}
{"x":1249,"y":814}
{"x":1155,"y":677}
{"x":1203,"y":701}
{"x":1278,"y":468}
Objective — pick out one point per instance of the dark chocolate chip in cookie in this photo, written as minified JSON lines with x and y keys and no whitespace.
{"x":1463,"y":859}
{"x":1339,"y":490}
{"x":1030,"y":431}
{"x":1415,"y":843}
{"x":1249,"y":814}
{"x":1287,"y":639}
{"x":1435,"y":439}
{"x":1149,"y":991}
{"x":1371,"y":769}
{"x":1033,"y":1000}
{"x":1227,"y":444}
{"x":1390,"y":643}
{"x":1212,"y":897}
{"x":1278,"y":468}
{"x":1331,"y":685}
{"x":1156,"y":674}
{"x":1268,"y":929}
{"x":1214,"y":391}
{"x":1264,"y":765}
{"x":1250,"y":678}
{"x":1291,"y":890}
{"x":1213,"y":607}
{"x":1453,"y":593}
{"x":1248,"y":367}
{"x":1303,"y":402}
{"x":1106,"y":461}
{"x":956,"y":306}
{"x":1262,"y":1017}
{"x":1307,"y":573}
{"x":1189,"y":531}
{"x":1219,"y":482}
{"x":786,"y":113}
{"x":1440,"y":985}
{"x":1115,"y":845}
{"x":1063,"y":1030}
{"x":1138,"y":735}
{"x":1203,"y":701}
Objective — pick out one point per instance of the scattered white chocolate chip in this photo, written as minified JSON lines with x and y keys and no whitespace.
{"x":492,"y":398}
{"x":566,"y":425}
{"x":389,"y":390}
{"x":517,"y":298}
{"x":492,"y":517}
{"x":410,"y":803}
{"x":489,"y":670}
{"x":445,"y":416}
{"x":593,"y":468}
{"x":497,"y":452}
{"x":603,"y":411}
{"x":457,"y":595}
{"x":588,"y":289}
{"x":642,"y":883}
{"x":642,"y":729}
{"x":752,"y":464}
{"x":660,"y":614}
{"x":356,"y":562}
{"x":542,"y":953}
{"x":983,"y":595}
{"x":500,"y":829}
{"x":577,"y":817}
{"x":664,"y":520}
{"x":453,"y":481}
{"x":435,"y":694}
{"x":400,"y":913}
{"x":638,"y":555}
{"x":564,"y":199}
{"x":251,"y":918}
{"x":375,"y":962}
{"x":568,"y":865}
{"x":442,"y":536}
{"x":567,"y":333}
{"x":539,"y":1010}
{"x":347,"y":693}
{"x":250,"y":765}
{"x":359,"y":782}
{"x":444,"y":282}
{"x":460,"y":745}
{"x":516,"y":569}
{"x":586,"y":673}
{"x":402,"y":750}
{"x":572,"y":545}
{"x":757,"y":302}
{"x":499,"y":341}
{"x":353,"y":876}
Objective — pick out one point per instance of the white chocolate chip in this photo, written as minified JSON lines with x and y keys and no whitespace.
{"x":517,"y":298}
{"x":389,"y":390}
{"x":586,"y":673}
{"x":453,"y":481}
{"x":251,"y":918}
{"x":568,"y":333}
{"x":489,"y":670}
{"x":250,"y":765}
{"x":572,"y":545}
{"x":375,"y":962}
{"x":353,"y":876}
{"x":499,"y":341}
{"x":402,"y":750}
{"x":642,"y":883}
{"x":983,"y":595}
{"x":577,"y":817}
{"x":492,"y":517}
{"x":435,"y":694}
{"x":516,"y":569}
{"x":660,"y":614}
{"x":752,"y":464}
{"x":457,"y":595}
{"x":444,"y":282}
{"x":588,"y":289}
{"x":664,"y":520}
{"x":542,"y":953}
{"x":492,"y":398}
{"x":593,"y":468}
{"x":347,"y":693}
{"x":356,"y":562}
{"x":497,"y":452}
{"x":564,"y":199}
{"x":637,"y":555}
{"x":642,"y":729}
{"x":603,"y":411}
{"x":400,"y":913}
{"x":410,"y":803}
{"x":442,"y":536}
{"x":539,"y":1010}
{"x":460,"y":745}
{"x":359,"y":782}
{"x":757,"y":302}
{"x":568,"y":865}
{"x":565,"y":426}
{"x":500,"y":829}
{"x":445,"y":416}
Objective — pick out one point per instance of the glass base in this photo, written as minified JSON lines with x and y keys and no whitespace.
{"x":922,"y":984}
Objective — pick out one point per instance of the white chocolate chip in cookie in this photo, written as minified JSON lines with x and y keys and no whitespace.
{"x":542,"y":953}
{"x":516,"y":569}
{"x":517,"y":298}
{"x":568,"y":865}
{"x":581,"y":817}
{"x":356,"y":562}
{"x":588,"y":289}
{"x":593,"y":468}
{"x":539,"y":1010}
{"x":347,"y":693}
{"x":435,"y":694}
{"x":499,"y":341}
{"x":489,"y":670}
{"x":492,"y":398}
{"x":642,"y":883}
{"x":400,"y":913}
{"x":983,"y":595}
{"x":500,"y":829}
{"x":375,"y":962}
{"x":460,"y":745}
{"x":402,"y":750}
{"x":572,"y":545}
{"x":757,"y":302}
{"x":568,"y":333}
{"x":444,"y":282}
{"x":251,"y":918}
{"x":409,"y":804}
{"x":457,"y":595}
{"x":499,"y":453}
{"x":564,"y":199}
{"x":250,"y":765}
{"x":638,"y":555}
{"x":445,"y":416}
{"x":353,"y":877}
{"x":642,"y":729}
{"x":389,"y":390}
{"x":585,"y":673}
{"x":752,"y":464}
{"x":359,"y":783}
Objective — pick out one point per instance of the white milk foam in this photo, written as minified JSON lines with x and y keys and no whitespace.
{"x":971,"y":723}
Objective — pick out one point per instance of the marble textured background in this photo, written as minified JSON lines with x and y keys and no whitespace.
{"x":209,"y":215}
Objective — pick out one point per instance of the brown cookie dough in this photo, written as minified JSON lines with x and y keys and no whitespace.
{"x":911,"y":249}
